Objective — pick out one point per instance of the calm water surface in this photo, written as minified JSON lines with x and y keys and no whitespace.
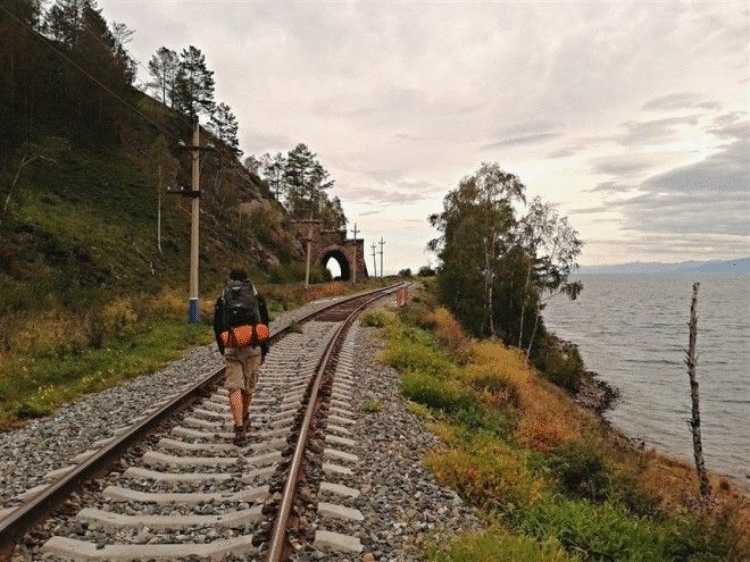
{"x":633,"y":331}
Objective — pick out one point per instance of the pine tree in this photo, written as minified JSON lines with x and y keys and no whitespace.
{"x":194,"y":85}
{"x":163,"y":68}
{"x":305,"y":180}
{"x":224,"y":126}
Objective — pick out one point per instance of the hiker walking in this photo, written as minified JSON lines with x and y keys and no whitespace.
{"x":241,"y":328}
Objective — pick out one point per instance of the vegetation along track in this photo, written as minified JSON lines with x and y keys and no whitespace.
{"x":173,"y":486}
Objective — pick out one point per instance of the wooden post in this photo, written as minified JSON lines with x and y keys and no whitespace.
{"x":382,"y":242}
{"x":194,"y":311}
{"x":695,"y":422}
{"x":354,"y":272}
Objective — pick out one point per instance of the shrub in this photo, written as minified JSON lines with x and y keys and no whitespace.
{"x":563,"y":367}
{"x":450,"y":334}
{"x":581,"y":470}
{"x":372,"y":406}
{"x":377,"y":318}
{"x":436,"y":393}
{"x":497,"y":545}
{"x":418,"y":315}
{"x":411,"y":355}
{"x":598,"y":532}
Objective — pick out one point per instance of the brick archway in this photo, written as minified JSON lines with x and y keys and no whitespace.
{"x":333,"y":244}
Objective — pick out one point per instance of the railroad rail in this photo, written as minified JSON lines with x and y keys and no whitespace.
{"x":244,"y":517}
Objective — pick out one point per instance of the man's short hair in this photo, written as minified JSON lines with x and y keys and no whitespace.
{"x":238,"y":275}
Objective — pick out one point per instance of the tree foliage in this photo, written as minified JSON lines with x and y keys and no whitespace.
{"x":300,"y":181}
{"x":496,"y":268}
{"x":163,"y":68}
{"x":223,"y":124}
{"x":194,"y":85}
{"x":61,"y":64}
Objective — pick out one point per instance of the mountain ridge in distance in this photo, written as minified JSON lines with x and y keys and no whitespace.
{"x":739,"y":265}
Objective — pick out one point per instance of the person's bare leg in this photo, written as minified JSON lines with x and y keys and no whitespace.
{"x":246,"y":398}
{"x":236,"y":401}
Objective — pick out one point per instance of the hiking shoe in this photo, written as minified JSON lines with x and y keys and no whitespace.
{"x":239,"y":435}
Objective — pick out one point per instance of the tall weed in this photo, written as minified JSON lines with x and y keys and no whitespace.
{"x":451,"y":335}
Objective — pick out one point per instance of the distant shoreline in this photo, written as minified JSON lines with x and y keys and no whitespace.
{"x":733,"y":266}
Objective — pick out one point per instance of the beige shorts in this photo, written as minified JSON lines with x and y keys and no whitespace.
{"x":243,"y":366}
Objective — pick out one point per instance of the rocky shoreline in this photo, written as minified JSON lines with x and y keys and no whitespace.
{"x":595,"y":395}
{"x":592,"y":393}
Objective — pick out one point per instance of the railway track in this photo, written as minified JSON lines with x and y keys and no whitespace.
{"x":175,"y":487}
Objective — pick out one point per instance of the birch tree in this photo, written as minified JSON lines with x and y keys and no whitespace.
{"x":163,"y":168}
{"x":552,"y":246}
{"x":477,"y":223}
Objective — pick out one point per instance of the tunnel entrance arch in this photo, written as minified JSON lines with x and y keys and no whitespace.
{"x":338,"y":256}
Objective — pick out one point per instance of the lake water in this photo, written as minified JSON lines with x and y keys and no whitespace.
{"x":632,"y":330}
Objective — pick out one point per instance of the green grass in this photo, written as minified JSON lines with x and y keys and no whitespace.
{"x":50,"y":377}
{"x":373,"y":406}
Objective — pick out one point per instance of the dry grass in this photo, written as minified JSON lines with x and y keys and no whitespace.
{"x":451,"y":334}
{"x":548,"y":416}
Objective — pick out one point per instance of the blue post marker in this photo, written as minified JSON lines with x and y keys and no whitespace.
{"x":194,"y":312}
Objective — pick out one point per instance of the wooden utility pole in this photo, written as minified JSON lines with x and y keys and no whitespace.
{"x":194,"y":193}
{"x":354,"y":272}
{"x":382,"y":242}
{"x":695,"y":422}
{"x":374,"y":264}
{"x":194,"y":246}
{"x":308,"y":241}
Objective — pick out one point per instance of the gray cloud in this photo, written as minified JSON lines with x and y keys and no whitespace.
{"x":679,"y":101}
{"x":527,"y":139}
{"x":735,"y":130}
{"x":624,"y":164}
{"x":610,"y":187}
{"x":648,"y":132}
{"x":402,"y":193}
{"x":688,"y":209}
{"x":724,"y":172}
{"x":679,"y":213}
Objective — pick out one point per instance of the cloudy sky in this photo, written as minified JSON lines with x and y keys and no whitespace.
{"x":632,"y":117}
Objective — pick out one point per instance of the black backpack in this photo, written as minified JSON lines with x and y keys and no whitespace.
{"x":240,"y":304}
